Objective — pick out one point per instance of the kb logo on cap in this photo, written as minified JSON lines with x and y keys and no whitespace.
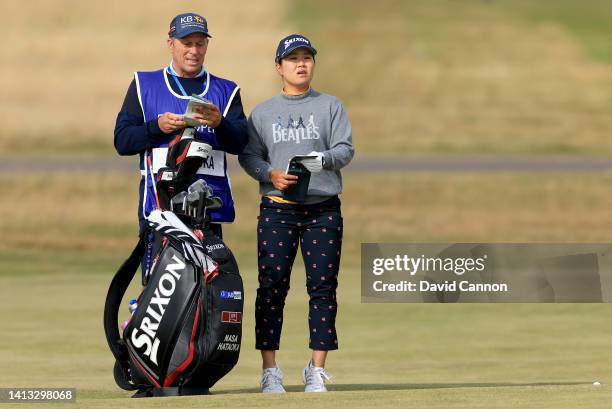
{"x":190,"y":19}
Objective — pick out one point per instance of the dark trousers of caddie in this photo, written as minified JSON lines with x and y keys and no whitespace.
{"x":317,"y":230}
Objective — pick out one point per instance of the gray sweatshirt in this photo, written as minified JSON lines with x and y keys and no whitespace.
{"x":285,"y":126}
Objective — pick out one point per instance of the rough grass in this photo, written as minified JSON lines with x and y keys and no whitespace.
{"x":478,"y":76}
{"x":466,"y":76}
{"x":62,"y":213}
{"x":588,"y":21}
{"x":65,"y":74}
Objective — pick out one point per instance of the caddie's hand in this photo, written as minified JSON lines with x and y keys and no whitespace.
{"x":169,"y":122}
{"x":210,"y":116}
{"x":282,"y":180}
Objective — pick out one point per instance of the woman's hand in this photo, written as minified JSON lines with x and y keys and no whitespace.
{"x":282,"y":180}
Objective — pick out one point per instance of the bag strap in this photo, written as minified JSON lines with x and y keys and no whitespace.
{"x":116,"y":291}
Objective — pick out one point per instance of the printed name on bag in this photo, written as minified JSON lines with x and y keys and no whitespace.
{"x":231,"y":343}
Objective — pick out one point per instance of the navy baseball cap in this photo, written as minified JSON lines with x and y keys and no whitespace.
{"x":188,"y":23}
{"x":290,"y":43}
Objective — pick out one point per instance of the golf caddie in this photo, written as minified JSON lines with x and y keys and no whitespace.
{"x":152,"y":116}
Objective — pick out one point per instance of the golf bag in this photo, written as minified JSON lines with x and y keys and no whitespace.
{"x":186,"y":331}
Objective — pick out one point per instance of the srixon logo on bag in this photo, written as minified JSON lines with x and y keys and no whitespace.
{"x":156,"y":309}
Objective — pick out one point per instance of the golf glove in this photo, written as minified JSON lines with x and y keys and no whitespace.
{"x":314,"y":165}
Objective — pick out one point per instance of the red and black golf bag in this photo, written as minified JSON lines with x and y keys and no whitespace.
{"x":186,"y":331}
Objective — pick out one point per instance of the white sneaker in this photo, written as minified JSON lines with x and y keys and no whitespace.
{"x":272,"y":380}
{"x":314,"y":378}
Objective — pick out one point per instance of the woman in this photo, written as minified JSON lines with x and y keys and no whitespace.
{"x":298,"y":121}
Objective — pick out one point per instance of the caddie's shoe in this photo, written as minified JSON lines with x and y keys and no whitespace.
{"x":272,"y":380}
{"x":314,"y":378}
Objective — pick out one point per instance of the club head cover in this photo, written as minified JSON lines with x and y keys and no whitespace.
{"x":165,"y":187}
{"x":177,"y":145}
{"x":193,"y":156}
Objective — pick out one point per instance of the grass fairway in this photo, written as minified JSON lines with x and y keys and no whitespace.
{"x":58,"y":263}
{"x":429,"y":356}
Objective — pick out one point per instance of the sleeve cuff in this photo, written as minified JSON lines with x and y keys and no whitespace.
{"x":153,"y":128}
{"x":328,"y":164}
{"x":265,"y":177}
{"x":222,"y":125}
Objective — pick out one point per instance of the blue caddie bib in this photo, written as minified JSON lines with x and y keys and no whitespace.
{"x":157,"y":97}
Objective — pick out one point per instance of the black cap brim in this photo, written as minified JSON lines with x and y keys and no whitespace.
{"x":294,"y":47}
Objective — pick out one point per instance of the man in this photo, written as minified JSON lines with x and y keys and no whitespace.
{"x":151,"y":116}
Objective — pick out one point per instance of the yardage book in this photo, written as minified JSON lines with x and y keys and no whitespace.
{"x":196,"y":105}
{"x":298,"y":192}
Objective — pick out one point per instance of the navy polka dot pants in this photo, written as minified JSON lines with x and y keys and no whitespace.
{"x":317,"y":230}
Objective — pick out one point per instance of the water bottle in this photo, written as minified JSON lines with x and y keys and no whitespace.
{"x":133,"y":305}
